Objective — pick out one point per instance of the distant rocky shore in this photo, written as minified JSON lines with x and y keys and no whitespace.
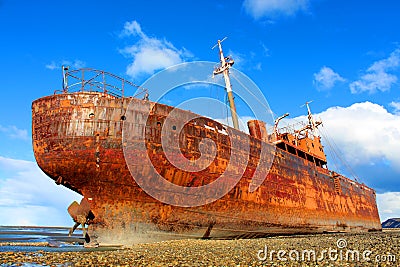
{"x":391,"y":223}
{"x":365,"y":249}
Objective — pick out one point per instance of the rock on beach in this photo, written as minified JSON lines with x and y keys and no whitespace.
{"x":340,"y":249}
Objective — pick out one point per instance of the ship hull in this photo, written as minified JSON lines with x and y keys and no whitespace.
{"x":77,"y":141}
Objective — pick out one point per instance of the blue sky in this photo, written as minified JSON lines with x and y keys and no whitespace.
{"x":343,"y":55}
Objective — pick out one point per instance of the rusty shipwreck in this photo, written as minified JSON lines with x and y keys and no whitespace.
{"x":78,"y":142}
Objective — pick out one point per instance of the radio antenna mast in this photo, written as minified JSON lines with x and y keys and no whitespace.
{"x":226,"y":63}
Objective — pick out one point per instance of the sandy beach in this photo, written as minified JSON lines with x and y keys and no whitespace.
{"x":363,"y":249}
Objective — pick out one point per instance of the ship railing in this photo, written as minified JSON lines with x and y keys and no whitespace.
{"x":93,"y":80}
{"x":291,"y":128}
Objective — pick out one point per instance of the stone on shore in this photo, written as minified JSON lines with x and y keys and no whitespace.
{"x":362,"y":249}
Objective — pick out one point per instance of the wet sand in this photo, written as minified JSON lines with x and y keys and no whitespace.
{"x":365,"y":249}
{"x":30,"y":238}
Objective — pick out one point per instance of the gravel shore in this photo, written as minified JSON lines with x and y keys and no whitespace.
{"x":365,"y":249}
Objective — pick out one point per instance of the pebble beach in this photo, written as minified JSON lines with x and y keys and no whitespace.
{"x":363,"y":249}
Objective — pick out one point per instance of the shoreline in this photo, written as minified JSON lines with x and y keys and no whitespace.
{"x":372,"y":249}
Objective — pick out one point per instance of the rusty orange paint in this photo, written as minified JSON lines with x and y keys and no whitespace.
{"x":77,"y":141}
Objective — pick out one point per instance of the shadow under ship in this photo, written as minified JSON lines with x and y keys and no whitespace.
{"x":78,"y":142}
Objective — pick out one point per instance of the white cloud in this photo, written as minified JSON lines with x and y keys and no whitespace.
{"x":271,"y":8}
{"x":266,"y":50}
{"x":245,"y":61}
{"x":364,"y":132}
{"x":14,"y":132}
{"x":395,"y":106}
{"x":75,"y":64}
{"x":326,"y":78}
{"x":388,"y":205}
{"x":239,"y":58}
{"x":149,"y":53}
{"x":52,"y":66}
{"x":377,"y":76}
{"x":29,"y":197}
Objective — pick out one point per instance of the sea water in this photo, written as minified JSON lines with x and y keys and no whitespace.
{"x":24,"y":238}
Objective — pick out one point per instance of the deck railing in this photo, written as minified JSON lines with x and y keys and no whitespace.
{"x":92,"y":80}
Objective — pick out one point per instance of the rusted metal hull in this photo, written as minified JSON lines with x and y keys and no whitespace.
{"x":77,"y":141}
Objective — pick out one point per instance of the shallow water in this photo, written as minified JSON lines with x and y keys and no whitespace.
{"x":29,"y":238}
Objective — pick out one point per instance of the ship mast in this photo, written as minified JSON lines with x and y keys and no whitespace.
{"x":226,"y":63}
{"x":313,"y":125}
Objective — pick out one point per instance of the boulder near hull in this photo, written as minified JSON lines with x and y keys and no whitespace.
{"x":78,"y":142}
